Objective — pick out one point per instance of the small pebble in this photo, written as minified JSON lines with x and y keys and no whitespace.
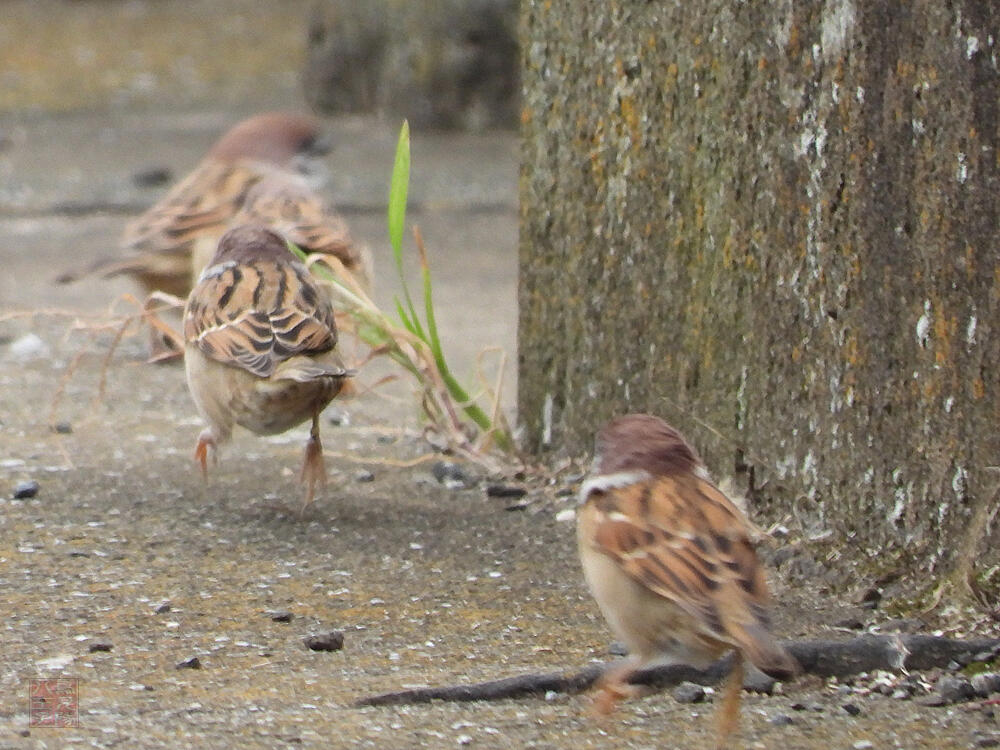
{"x":689,"y":692}
{"x":332,"y":641}
{"x":99,"y":646}
{"x":63,"y":428}
{"x":385,"y":439}
{"x":852,"y":709}
{"x":193,"y":663}
{"x":871,"y":598}
{"x":522,"y":505}
{"x":617,"y":648}
{"x":26,"y":490}
{"x":988,"y":742}
{"x":26,"y":348}
{"x":163,"y":608}
{"x":452,"y":475}
{"x":338,"y":418}
{"x":757,"y":682}
{"x":863,"y":745}
{"x":364,"y":476}
{"x":281,"y":616}
{"x":850,"y":623}
{"x":781,"y":720}
{"x":505,"y":490}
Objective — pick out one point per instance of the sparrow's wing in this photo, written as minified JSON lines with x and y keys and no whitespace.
{"x":258,"y":315}
{"x":202,"y":203}
{"x":683,"y":539}
{"x":284,"y":202}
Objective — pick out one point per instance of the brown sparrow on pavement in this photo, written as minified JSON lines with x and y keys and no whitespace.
{"x":670,"y":561}
{"x":260,"y":343}
{"x":200,"y":208}
{"x":287,"y":204}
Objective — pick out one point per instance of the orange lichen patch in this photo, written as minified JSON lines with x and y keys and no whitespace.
{"x":978,"y":388}
{"x":854,"y":267}
{"x":944,"y":331}
{"x":970,"y":261}
{"x":851,"y":355}
{"x":629,"y":114}
{"x":728,"y":259}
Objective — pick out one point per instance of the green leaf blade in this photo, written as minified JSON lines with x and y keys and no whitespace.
{"x":398,"y":189}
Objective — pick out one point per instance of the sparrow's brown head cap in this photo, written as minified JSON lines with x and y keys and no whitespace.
{"x":642,"y":442}
{"x":272,"y":137}
{"x":247,"y":243}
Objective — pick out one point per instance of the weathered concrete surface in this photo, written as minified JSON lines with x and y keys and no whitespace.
{"x":61,"y":55}
{"x":776,"y":227}
{"x":439,"y":63}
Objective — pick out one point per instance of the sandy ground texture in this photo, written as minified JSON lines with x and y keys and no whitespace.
{"x":126,"y":566}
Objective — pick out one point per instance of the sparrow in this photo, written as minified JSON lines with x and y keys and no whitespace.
{"x":158,"y":246}
{"x":286,"y":203}
{"x":670,"y":561}
{"x":260,"y":346}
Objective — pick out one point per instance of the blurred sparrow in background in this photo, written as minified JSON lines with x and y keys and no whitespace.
{"x":260,"y":343}
{"x":670,"y":561}
{"x":197,"y":210}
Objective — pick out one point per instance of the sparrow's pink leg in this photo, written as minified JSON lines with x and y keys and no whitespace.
{"x":728,"y":717}
{"x":313,"y":468}
{"x":206,"y":440}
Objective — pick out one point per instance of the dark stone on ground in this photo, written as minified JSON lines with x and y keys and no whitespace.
{"x":26,"y":490}
{"x":332,"y":641}
{"x":689,"y":692}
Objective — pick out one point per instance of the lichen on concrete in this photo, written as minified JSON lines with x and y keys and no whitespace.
{"x":776,"y":227}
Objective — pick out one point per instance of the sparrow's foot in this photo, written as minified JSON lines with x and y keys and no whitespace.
{"x":613,"y":687}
